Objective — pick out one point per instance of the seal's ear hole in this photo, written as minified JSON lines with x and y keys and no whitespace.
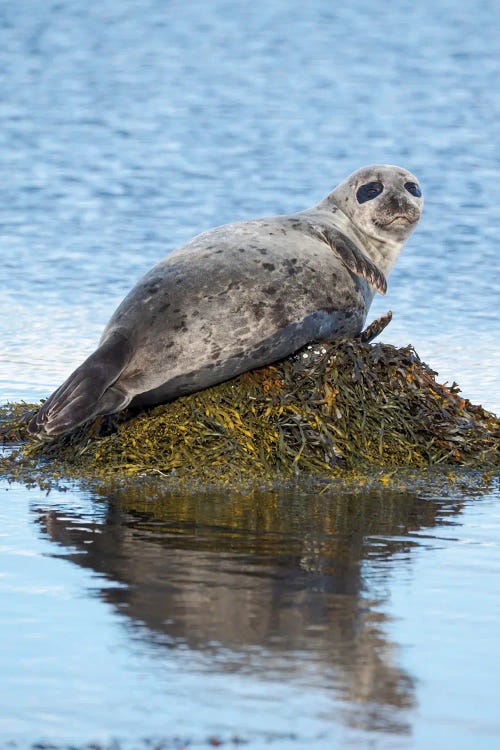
{"x":413,"y":189}
{"x":369,"y":191}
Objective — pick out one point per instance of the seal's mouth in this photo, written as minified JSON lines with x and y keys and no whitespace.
{"x":401,"y":218}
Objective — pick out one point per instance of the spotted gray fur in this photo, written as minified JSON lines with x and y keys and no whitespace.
{"x":242,"y":296}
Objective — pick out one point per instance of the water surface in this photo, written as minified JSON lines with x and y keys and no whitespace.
{"x":295,"y":618}
{"x":129,"y":127}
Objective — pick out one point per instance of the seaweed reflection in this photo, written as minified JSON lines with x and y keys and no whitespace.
{"x":279,"y":583}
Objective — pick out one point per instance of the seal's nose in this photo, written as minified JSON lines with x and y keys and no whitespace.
{"x":399,"y":204}
{"x":397,"y":201}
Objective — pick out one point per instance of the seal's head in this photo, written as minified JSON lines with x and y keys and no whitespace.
{"x":382,"y":201}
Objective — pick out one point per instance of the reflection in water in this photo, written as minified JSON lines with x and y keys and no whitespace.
{"x":275,"y":584}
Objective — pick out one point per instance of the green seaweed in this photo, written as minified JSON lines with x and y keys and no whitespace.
{"x":346,"y":409}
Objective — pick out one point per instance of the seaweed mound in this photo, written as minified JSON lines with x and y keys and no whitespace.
{"x":328,"y":410}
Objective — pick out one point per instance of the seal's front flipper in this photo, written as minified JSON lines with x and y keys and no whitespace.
{"x":355,"y":260}
{"x":375,"y":328}
{"x":88,"y":392}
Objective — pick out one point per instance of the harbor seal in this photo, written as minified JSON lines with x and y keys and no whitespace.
{"x":241,"y":296}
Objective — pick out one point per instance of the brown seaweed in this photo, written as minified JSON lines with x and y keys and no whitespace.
{"x":332,"y":410}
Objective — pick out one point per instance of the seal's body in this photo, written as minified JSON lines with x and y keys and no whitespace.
{"x":242,"y":296}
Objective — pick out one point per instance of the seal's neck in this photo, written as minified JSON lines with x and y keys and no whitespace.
{"x":383,"y":253}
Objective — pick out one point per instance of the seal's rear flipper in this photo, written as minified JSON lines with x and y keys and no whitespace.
{"x":375,"y":328}
{"x":88,"y":392}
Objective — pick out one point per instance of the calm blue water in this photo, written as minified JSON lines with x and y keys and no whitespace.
{"x":126,"y":128}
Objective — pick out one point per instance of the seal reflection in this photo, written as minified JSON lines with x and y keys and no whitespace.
{"x":277,"y":583}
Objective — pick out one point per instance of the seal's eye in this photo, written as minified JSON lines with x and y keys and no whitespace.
{"x":369,"y":191}
{"x":414,"y":189}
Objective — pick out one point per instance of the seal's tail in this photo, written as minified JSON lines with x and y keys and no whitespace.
{"x":88,"y":392}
